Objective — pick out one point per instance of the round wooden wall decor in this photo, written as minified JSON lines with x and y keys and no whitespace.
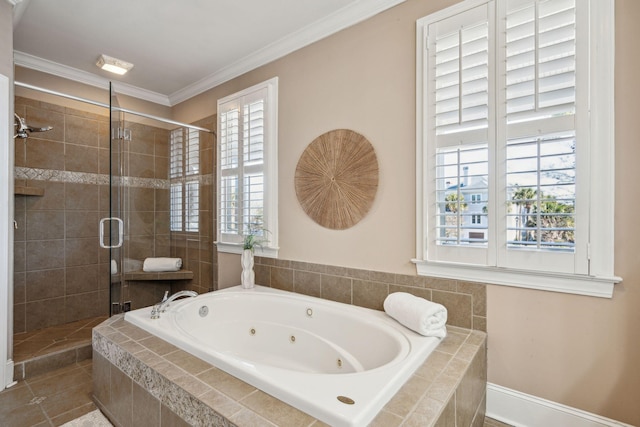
{"x":337,"y":178}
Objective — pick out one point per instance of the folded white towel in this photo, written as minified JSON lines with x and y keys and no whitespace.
{"x":114,"y":267}
{"x":162,"y":264}
{"x":418,"y":314}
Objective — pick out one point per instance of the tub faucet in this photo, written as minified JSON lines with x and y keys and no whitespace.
{"x":162,"y":305}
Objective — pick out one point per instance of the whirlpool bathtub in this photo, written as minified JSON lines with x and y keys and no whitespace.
{"x":337,"y":362}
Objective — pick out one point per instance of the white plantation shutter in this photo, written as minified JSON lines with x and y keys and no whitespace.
{"x":253,"y":160}
{"x":184,"y":170}
{"x":515,"y":124}
{"x":458,"y":117}
{"x":246,"y":173}
{"x":176,"y":206}
{"x":229,"y":134}
{"x":540,"y":144}
{"x":175,"y":173}
{"x":242,"y":161}
{"x":192,"y":182}
{"x":540,"y":59}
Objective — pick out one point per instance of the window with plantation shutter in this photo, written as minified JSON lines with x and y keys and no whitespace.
{"x":512,"y":97}
{"x":247,"y":168}
{"x":184,"y":178}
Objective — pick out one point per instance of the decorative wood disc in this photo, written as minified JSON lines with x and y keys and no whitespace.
{"x":337,"y":178}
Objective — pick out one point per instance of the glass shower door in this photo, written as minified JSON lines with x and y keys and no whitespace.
{"x":112,"y":225}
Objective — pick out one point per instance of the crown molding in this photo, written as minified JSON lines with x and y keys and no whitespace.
{"x":39,"y":64}
{"x":337,"y":21}
{"x":347,"y":16}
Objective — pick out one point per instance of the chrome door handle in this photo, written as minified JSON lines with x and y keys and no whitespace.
{"x":120,"y":232}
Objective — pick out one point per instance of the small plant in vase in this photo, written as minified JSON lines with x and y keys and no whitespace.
{"x":255,"y":237}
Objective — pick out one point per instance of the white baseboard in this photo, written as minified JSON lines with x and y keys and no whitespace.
{"x":523,"y":410}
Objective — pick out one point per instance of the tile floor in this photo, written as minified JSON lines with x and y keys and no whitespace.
{"x":49,"y":399}
{"x":488,"y":422}
{"x":29,"y":345}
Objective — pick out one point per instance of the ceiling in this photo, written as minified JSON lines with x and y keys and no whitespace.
{"x":178,"y":48}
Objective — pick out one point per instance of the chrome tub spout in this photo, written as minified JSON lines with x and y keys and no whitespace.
{"x":162,"y":306}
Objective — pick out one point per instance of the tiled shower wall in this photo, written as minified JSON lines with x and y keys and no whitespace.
{"x":56,"y":252}
{"x":61,"y":274}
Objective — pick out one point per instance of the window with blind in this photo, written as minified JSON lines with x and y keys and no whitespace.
{"x":184,"y":178}
{"x":512,"y":97}
{"x":247,"y":168}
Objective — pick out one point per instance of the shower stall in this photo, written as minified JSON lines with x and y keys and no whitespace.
{"x":96,"y":194}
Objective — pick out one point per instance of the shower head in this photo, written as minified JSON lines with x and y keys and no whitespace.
{"x":23,"y":129}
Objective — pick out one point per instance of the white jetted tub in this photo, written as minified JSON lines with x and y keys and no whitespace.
{"x":337,"y":362}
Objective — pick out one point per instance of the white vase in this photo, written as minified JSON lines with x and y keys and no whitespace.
{"x":248,"y":278}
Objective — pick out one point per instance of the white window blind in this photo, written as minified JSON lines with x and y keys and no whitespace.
{"x":192,"y":182}
{"x":541,"y":95}
{"x":176,"y":207}
{"x":247,"y":196}
{"x":460,"y":92}
{"x":184,"y":170}
{"x":242,"y":151}
{"x":507,"y":142}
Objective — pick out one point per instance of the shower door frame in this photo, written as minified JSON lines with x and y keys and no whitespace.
{"x":6,"y":243}
{"x":116,"y":206}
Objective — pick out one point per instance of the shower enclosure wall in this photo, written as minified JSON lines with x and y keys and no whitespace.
{"x":92,"y":166}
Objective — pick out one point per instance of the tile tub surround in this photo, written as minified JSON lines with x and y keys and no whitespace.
{"x":466,"y":302}
{"x":167,"y":386}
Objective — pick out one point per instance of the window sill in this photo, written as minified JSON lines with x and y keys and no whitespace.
{"x":236,"y":248}
{"x":565,"y":283}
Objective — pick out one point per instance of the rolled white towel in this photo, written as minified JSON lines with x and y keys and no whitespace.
{"x":161,"y":264}
{"x":418,"y":314}
{"x":114,"y":267}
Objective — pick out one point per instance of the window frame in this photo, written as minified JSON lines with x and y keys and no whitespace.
{"x":232,"y":243}
{"x":598,"y":252}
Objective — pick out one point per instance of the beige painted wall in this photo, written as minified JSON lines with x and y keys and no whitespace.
{"x":580,"y":351}
{"x":361,"y":79}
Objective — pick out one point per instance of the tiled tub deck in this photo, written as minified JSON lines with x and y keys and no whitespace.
{"x":141,"y":380}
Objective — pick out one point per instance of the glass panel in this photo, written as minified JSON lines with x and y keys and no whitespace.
{"x":462,"y":193}
{"x":116,"y":255}
{"x":155,"y":190}
{"x":541,"y":190}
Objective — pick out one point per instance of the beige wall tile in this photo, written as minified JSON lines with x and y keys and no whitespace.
{"x":307,"y":283}
{"x":121,"y":396}
{"x":336,"y":288}
{"x":147,"y":407}
{"x":369,"y":294}
{"x":459,"y":307}
{"x":44,"y":254}
{"x":45,"y":225}
{"x":44,"y":284}
{"x":81,"y":131}
{"x":282,"y":278}
{"x":79,"y":158}
{"x":275,"y":410}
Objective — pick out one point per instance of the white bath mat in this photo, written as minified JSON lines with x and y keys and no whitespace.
{"x":92,"y":419}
